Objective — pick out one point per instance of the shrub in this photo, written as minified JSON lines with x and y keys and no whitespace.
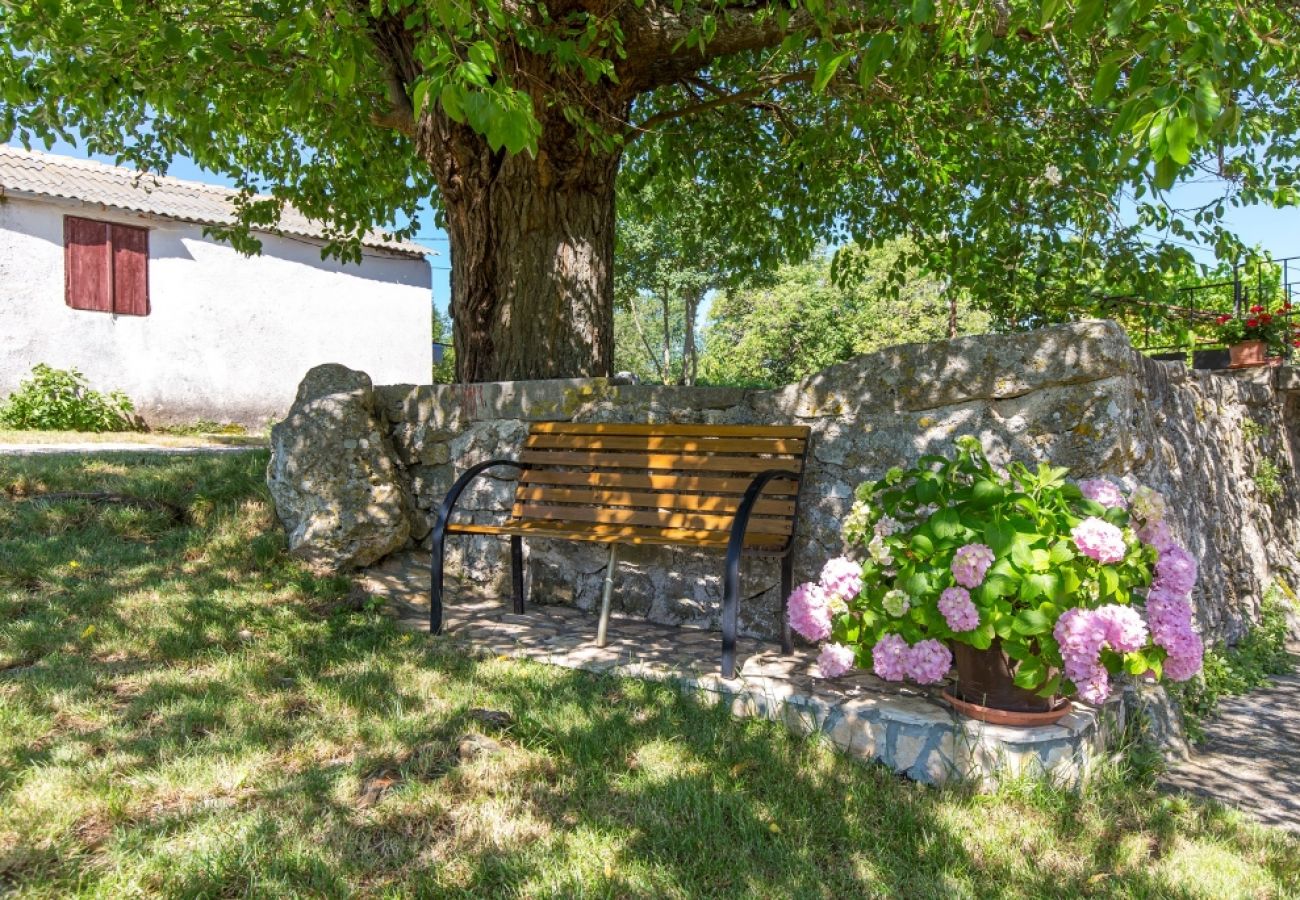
{"x":60,"y":400}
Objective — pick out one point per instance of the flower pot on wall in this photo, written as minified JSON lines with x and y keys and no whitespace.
{"x":986,"y":690}
{"x":1248,"y":353}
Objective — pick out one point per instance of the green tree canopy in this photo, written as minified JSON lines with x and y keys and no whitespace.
{"x":803,"y":321}
{"x":1003,"y":138}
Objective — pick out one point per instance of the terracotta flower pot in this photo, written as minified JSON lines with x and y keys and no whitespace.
{"x":1248,"y":353}
{"x":986,"y":690}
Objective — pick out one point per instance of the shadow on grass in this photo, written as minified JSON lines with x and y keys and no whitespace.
{"x":182,"y":719}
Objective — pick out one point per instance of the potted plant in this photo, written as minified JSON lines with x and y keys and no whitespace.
{"x":1258,"y":338}
{"x":1031,"y":582}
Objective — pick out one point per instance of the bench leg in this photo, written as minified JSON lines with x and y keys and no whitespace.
{"x":517,"y":571}
{"x":607,"y":596}
{"x":435,"y":582}
{"x":787,"y":582}
{"x":730,"y":615}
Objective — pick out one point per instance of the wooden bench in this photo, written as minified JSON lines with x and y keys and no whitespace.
{"x":732,"y":487}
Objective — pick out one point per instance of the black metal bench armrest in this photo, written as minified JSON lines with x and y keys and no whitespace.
{"x":740,"y":524}
{"x":731,"y":576}
{"x":453,"y":495}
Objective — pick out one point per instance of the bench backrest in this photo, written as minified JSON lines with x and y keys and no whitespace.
{"x":684,"y":478}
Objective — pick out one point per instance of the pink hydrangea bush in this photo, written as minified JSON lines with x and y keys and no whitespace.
{"x":1079,"y":583}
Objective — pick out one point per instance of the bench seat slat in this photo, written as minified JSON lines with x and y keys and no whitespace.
{"x":660,"y":517}
{"x":622,"y":534}
{"x":658,"y":443}
{"x":709,"y":503}
{"x":657,"y":482}
{"x":763,"y":431}
{"x":678,"y":462}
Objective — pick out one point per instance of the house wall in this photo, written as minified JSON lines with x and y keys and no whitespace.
{"x":228,"y":336}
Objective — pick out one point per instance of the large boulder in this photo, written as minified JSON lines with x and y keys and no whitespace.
{"x":332,"y":474}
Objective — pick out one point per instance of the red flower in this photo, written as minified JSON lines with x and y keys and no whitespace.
{"x":1252,"y":323}
{"x":1257,"y":309}
{"x":1266,"y":318}
{"x":1221,"y":319}
{"x":1296,"y":343}
{"x":1286,"y":307}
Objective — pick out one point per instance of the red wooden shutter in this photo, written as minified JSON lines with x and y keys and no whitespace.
{"x":130,"y":270}
{"x":87,"y":265}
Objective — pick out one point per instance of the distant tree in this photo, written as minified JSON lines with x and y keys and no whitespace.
{"x":669,"y":257}
{"x":804,"y":320}
{"x":444,"y":372}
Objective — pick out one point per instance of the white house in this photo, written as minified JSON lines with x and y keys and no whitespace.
{"x":109,"y":272}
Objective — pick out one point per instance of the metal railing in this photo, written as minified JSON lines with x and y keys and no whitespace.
{"x":1186,"y":326}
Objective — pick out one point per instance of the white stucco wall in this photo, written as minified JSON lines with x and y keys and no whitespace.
{"x":228,"y":336}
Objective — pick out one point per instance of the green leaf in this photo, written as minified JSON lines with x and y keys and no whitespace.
{"x":922,"y":545}
{"x":1104,"y":84}
{"x":1166,"y":172}
{"x":946,"y":523}
{"x":827,"y":68}
{"x":1180,"y":135}
{"x":1030,"y":622}
{"x":998,"y":536}
{"x":985,"y":493}
{"x":1016,"y":649}
{"x":1062,"y":552}
{"x":1030,"y":673}
{"x":981,"y":638}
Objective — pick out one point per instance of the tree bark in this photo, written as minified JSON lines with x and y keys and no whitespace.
{"x":532,"y":252}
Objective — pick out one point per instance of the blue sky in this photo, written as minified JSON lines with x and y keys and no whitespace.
{"x":1274,"y":230}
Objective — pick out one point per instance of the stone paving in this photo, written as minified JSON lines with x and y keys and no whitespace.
{"x":1250,"y":758}
{"x":907,"y":728}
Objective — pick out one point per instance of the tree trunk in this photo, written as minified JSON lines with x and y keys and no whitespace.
{"x":665,"y":302}
{"x":532,"y":253}
{"x":689,"y":356}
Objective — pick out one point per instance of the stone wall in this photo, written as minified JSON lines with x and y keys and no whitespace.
{"x":1076,"y":395}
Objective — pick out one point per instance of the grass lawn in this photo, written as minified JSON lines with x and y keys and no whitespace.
{"x":186,"y":712}
{"x":152,"y":438}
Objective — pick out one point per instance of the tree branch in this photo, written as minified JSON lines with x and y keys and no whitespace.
{"x":722,"y":99}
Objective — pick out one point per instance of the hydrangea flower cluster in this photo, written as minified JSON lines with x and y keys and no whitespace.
{"x":970,"y":564}
{"x":1099,"y":540}
{"x":842,"y":577}
{"x":835,"y":660}
{"x":1082,"y":633}
{"x":1103,"y":492}
{"x":896,"y":603}
{"x":1157,"y":534}
{"x":925,"y":662}
{"x":1148,"y":505}
{"x":1169,"y":602}
{"x":808,"y":612}
{"x":959,"y":609}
